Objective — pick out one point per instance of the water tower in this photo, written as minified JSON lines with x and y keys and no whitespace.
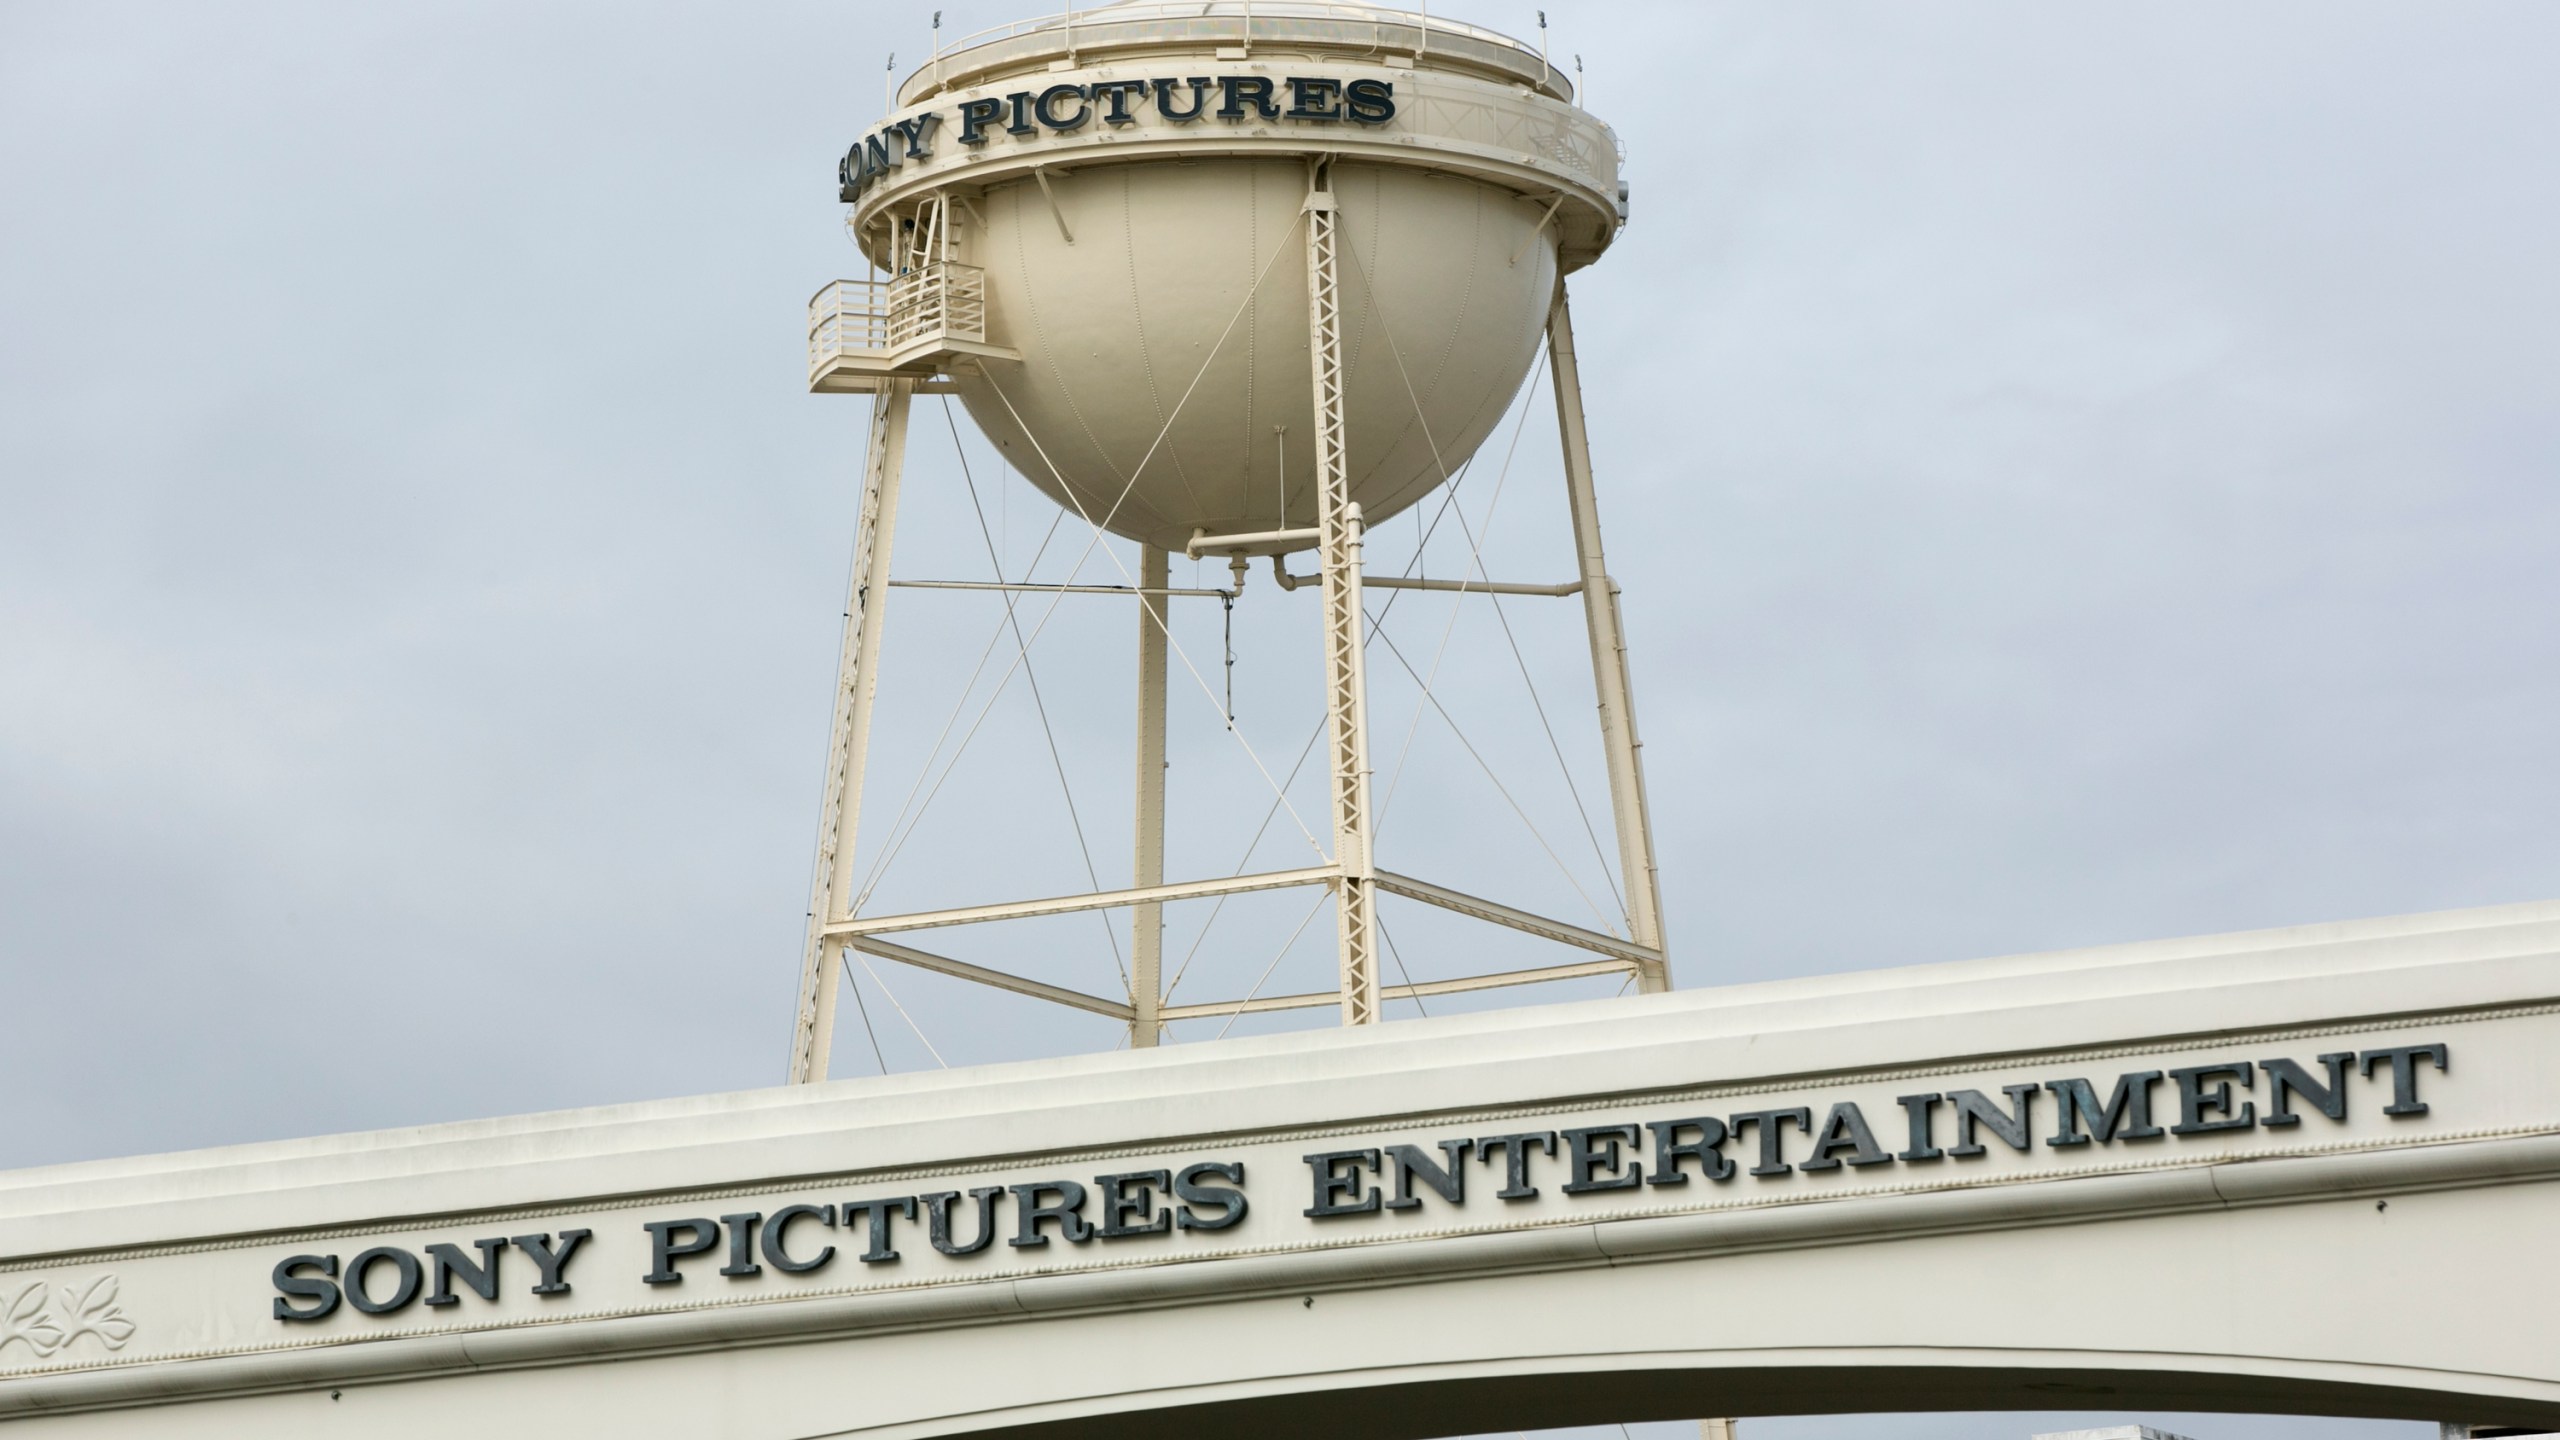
{"x":1236,"y":280}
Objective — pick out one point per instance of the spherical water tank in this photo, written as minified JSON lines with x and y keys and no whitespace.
{"x":1149,"y":268}
{"x":1153,"y":366}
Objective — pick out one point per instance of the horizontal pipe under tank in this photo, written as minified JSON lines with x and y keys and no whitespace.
{"x":1280,"y":572}
{"x":1237,"y":544}
{"x":1029,"y":587}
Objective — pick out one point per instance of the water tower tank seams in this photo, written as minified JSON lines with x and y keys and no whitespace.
{"x":1127,"y":495}
{"x":1466,"y":300}
{"x":1356,"y":343}
{"x":1252,"y":318}
{"x":1418,"y":396}
{"x":1539,"y":283}
{"x":1146,"y":358}
{"x":1534,"y":326}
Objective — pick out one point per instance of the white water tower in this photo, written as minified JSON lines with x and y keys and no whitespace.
{"x":1231,"y":279}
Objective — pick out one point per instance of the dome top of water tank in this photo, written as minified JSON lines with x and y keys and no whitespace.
{"x":1232,"y":29}
{"x":1307,"y":80}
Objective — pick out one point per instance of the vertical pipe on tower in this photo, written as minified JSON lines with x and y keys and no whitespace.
{"x":857,"y":682}
{"x":1608,"y":657}
{"x":1146,"y":971}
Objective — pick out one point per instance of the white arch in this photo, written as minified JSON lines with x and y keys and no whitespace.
{"x":2358,"y":1263}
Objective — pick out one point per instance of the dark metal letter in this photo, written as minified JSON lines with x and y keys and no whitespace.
{"x":1042,"y":107}
{"x":1921,"y":1109}
{"x":1845,"y":1128}
{"x":1066,"y":1210}
{"x":1447,"y":1176}
{"x":1020,"y":124}
{"x":937,"y":1211}
{"x":742,"y":1245}
{"x":1669,"y":1150}
{"x":320,"y":1289}
{"x":402,"y":1262}
{"x":551,"y":1262}
{"x":1129,"y":1204}
{"x":2404,"y":1074}
{"x":1188,"y":1189}
{"x":1326,"y":1169}
{"x":445,"y":1263}
{"x":1975,"y":1108}
{"x":2204,"y":1090}
{"x":1773,"y":1126}
{"x":2125,"y":1116}
{"x":1515,"y":1160}
{"x":1594,"y":1150}
{"x":1116,"y":94}
{"x":777,"y":1238}
{"x":2285,"y":1079}
{"x":916,"y":128}
{"x":1314,"y":99}
{"x":665,"y":1250}
{"x":879,"y":1252}
{"x":1370,"y":102}
{"x":1199,"y":97}
{"x":1240,"y":88}
{"x":975,"y":117}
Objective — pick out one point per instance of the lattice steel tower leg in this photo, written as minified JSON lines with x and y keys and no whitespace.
{"x":1608,"y":659}
{"x":857,"y":681}
{"x":1146,"y":922}
{"x":1345,"y":672}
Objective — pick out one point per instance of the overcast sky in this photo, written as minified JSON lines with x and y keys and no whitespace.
{"x":2078,"y":473}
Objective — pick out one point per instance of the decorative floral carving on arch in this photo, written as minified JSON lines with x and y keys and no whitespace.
{"x":51,"y":1319}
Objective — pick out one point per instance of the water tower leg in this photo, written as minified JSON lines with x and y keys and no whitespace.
{"x":857,"y":681}
{"x":1146,"y":948}
{"x":1345,"y":669}
{"x":1608,"y":658}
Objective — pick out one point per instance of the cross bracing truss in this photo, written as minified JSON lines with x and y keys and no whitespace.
{"x":1619,"y":957}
